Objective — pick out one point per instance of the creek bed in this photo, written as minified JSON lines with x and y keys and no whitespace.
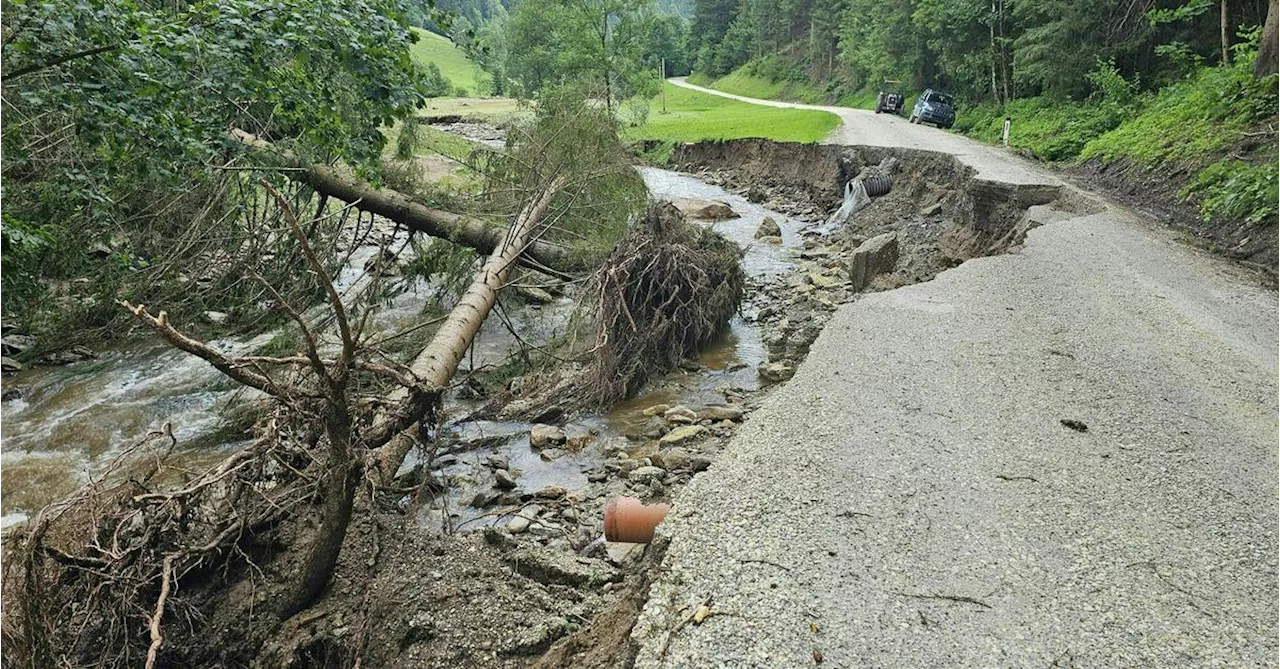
{"x":72,"y":421}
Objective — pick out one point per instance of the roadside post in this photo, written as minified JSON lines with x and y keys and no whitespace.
{"x":1004,"y":135}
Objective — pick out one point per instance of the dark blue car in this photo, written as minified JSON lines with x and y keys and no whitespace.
{"x":936,"y":108}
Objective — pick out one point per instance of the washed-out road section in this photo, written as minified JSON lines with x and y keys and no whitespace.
{"x":1061,"y":456}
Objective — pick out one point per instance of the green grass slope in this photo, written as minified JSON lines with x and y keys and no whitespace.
{"x":692,"y":116}
{"x":452,"y":61}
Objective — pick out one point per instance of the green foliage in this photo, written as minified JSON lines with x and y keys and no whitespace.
{"x":980,"y":50}
{"x":1199,"y":116}
{"x":434,"y":85}
{"x":574,"y":138}
{"x":692,"y":116}
{"x":1234,"y":190}
{"x":615,"y":46}
{"x":1054,"y":131}
{"x":115,"y":130}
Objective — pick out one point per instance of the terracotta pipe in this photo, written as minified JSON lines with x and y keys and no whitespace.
{"x":629,"y":520}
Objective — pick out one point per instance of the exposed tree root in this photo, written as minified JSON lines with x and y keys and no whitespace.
{"x":668,"y":289}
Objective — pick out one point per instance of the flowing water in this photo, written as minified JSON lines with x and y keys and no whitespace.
{"x":73,"y":420}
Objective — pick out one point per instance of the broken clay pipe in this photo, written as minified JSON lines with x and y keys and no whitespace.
{"x":629,"y":520}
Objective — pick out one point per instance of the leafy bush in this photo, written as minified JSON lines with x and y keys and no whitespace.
{"x":1234,"y":189}
{"x":1052,"y":130}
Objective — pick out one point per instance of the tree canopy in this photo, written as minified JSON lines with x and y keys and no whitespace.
{"x":989,"y":50}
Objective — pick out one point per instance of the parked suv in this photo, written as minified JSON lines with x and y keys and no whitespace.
{"x":934,"y":107}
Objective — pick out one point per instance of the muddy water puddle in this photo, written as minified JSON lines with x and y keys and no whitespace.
{"x":72,"y":421}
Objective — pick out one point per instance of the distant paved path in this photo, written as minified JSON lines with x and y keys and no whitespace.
{"x":862,"y":127}
{"x":911,"y":499}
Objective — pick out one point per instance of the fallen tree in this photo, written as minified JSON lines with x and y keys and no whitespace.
{"x":483,"y":236}
{"x":436,"y":363}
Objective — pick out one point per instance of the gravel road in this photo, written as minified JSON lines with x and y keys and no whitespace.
{"x":913,"y":498}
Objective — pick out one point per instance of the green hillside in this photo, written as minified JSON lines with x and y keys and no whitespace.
{"x":452,"y":61}
{"x":692,"y":117}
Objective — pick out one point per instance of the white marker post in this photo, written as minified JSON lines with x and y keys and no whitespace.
{"x":1004,"y":136}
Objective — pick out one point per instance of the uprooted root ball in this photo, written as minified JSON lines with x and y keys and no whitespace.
{"x":668,"y":289}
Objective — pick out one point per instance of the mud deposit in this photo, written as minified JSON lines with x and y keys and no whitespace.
{"x":494,"y":556}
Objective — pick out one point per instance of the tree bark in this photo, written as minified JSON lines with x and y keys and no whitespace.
{"x":439,"y":360}
{"x":1226,"y":43}
{"x":397,"y":207}
{"x":1266,"y":64}
{"x":339,"y":483}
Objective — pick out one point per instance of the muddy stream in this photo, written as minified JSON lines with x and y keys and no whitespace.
{"x":72,"y":421}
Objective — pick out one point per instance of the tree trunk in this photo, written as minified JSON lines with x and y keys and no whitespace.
{"x":398,"y":207}
{"x":1226,"y":43}
{"x":439,"y":360}
{"x":339,"y":483}
{"x":1266,"y":63}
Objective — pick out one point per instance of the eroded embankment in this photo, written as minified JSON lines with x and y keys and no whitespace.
{"x":943,"y":213}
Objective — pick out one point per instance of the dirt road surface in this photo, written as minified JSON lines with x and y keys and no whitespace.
{"x":1065,"y":456}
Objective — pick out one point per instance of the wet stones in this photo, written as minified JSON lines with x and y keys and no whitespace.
{"x":683,"y":435}
{"x":647,"y":475}
{"x":15,"y":344}
{"x":523,"y":518}
{"x":543,"y":436}
{"x":671,"y":458}
{"x":680,"y":415}
{"x":721,"y":412}
{"x":776,"y":372}
{"x":877,"y":255}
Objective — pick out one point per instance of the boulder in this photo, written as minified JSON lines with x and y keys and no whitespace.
{"x":719,"y":412}
{"x":768,"y":228}
{"x":704,"y":210}
{"x":498,"y":461}
{"x":775,"y":372}
{"x":756,"y":195}
{"x":682,"y":435}
{"x":503,"y":479}
{"x":15,"y":343}
{"x":9,"y":365}
{"x":542,"y":436}
{"x":699,"y":463}
{"x":772,"y":240}
{"x":875,"y":256}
